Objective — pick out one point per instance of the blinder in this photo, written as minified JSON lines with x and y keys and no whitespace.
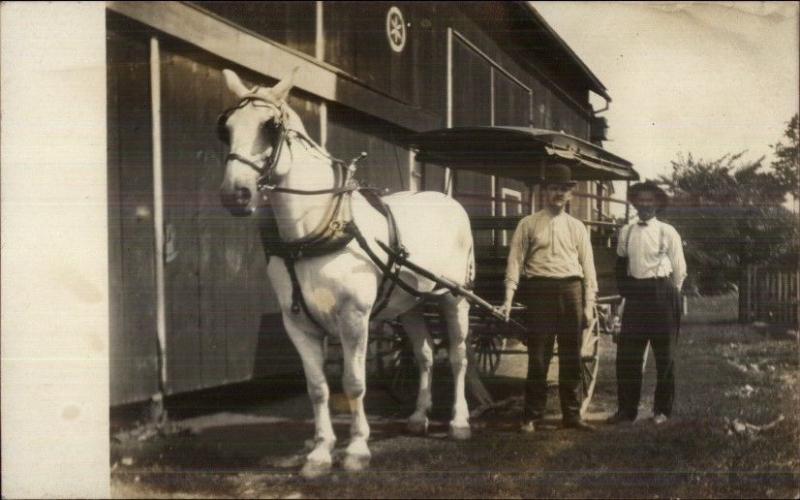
{"x":277,"y":126}
{"x":222,"y":130}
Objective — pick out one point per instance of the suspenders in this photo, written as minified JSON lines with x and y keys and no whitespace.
{"x":662,"y":249}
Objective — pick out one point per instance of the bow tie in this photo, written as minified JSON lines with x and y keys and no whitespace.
{"x":641,"y":223}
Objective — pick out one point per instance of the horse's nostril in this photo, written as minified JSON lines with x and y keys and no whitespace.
{"x":243,"y":196}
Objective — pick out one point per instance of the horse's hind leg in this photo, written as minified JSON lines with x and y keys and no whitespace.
{"x":456,"y":311}
{"x":414,"y":326}
{"x":311,"y":353}
{"x":354,"y":335}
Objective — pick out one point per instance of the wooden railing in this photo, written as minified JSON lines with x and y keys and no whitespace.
{"x":770,"y":294}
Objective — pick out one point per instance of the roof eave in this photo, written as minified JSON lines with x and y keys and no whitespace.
{"x":597,"y":85}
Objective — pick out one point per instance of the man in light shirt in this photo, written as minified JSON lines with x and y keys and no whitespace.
{"x":657,"y":268}
{"x":551,"y":269}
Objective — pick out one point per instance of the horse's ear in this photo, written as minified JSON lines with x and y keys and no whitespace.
{"x":234,"y":84}
{"x":281,"y":90}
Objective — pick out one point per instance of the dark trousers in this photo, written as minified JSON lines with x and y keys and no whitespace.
{"x":651,"y":315}
{"x":554,"y":312}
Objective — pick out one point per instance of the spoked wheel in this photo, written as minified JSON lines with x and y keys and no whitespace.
{"x":396,"y":365}
{"x":487,"y":347}
{"x":590,"y":362}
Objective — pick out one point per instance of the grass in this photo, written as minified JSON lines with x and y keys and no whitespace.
{"x":697,"y":454}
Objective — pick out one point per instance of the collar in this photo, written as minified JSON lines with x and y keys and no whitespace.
{"x":546,"y":211}
{"x":650,"y":222}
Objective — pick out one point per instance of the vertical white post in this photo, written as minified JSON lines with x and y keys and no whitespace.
{"x":323,"y":124}
{"x":54,"y":230}
{"x":491,"y":95}
{"x":448,"y":175}
{"x":158,"y":210}
{"x":319,"y":41}
{"x":492,"y":122}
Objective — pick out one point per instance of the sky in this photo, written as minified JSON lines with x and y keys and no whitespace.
{"x":699,"y":77}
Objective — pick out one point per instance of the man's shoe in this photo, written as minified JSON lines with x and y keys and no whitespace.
{"x":528,"y":427}
{"x":579,"y":425}
{"x":619,"y":418}
{"x":660,"y":419}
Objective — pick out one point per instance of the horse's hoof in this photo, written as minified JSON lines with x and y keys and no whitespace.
{"x":460,"y":433}
{"x":355,"y":463}
{"x":418,"y":427}
{"x":313,"y":469}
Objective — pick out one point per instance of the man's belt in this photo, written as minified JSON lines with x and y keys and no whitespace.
{"x":553,"y":279}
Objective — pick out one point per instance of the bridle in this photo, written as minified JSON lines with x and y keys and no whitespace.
{"x":337,"y":228}
{"x":265,"y":171}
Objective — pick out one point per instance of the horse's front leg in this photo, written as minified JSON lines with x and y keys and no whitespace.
{"x":456,"y":310}
{"x":309,"y":347}
{"x":414,"y":326}
{"x":354,"y":331}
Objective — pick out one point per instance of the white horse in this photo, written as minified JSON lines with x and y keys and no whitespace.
{"x":335,"y":293}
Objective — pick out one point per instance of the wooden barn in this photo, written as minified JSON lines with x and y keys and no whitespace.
{"x":191,"y":307}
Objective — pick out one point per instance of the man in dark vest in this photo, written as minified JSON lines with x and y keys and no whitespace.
{"x":551,"y":269}
{"x":656,"y":270}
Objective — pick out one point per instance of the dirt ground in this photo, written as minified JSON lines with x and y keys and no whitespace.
{"x":735,"y":434}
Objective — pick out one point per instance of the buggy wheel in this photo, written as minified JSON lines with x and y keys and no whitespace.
{"x":487,"y":348}
{"x":590,"y":362}
{"x":395,"y":362}
{"x":404,"y":381}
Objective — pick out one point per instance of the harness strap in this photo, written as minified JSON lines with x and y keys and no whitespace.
{"x":390,"y":279}
{"x":329,"y":234}
{"x":344,"y":189}
{"x":362,"y":242}
{"x":298,"y":302}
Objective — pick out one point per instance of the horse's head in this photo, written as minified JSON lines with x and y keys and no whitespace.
{"x":254,"y":130}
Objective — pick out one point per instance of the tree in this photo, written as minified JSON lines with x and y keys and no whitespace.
{"x":730,"y":214}
{"x":787,"y":165}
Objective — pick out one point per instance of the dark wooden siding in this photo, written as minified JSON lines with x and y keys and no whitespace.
{"x":216,"y":281}
{"x":290,"y":23}
{"x":472,"y":105}
{"x":356,"y":42}
{"x":512,"y":106}
{"x":387,"y":162}
{"x":223,"y":322}
{"x":433,"y":178}
{"x":472,"y":87}
{"x":512,"y":102}
{"x":133,"y":335}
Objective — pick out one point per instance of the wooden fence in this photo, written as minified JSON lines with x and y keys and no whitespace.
{"x":771,"y":294}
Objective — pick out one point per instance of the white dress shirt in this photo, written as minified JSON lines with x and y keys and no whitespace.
{"x":552,"y":246}
{"x":654,"y":250}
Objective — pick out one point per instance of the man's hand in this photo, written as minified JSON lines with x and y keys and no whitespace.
{"x":588,"y":313}
{"x":505,"y":310}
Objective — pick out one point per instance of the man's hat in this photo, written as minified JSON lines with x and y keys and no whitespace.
{"x":557,"y":173}
{"x":635,"y":190}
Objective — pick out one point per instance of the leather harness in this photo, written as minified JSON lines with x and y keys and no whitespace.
{"x":337,"y":228}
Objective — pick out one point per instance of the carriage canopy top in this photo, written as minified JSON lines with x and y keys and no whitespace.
{"x":519,"y":153}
